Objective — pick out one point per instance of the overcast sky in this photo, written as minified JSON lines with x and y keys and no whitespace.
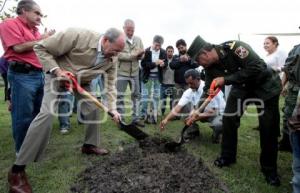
{"x":215,"y":20}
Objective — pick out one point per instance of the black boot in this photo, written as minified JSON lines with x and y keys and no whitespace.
{"x":272,"y":178}
{"x":284,"y":143}
{"x":224,"y":162}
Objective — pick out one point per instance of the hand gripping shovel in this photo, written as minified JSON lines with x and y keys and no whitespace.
{"x":130,"y":129}
{"x":213,"y":91}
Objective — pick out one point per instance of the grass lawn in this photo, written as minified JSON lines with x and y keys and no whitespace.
{"x":63,"y":160}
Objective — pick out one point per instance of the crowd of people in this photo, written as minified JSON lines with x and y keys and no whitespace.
{"x":37,"y":68}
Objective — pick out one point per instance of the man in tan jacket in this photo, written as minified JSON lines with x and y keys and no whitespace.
{"x":128,"y":71}
{"x":85,"y":54}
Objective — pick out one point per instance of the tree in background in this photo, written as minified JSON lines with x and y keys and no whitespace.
{"x":7,"y":13}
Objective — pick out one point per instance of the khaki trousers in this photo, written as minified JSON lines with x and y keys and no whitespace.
{"x":39,"y":131}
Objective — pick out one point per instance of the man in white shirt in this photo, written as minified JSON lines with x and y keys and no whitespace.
{"x":212,"y":113}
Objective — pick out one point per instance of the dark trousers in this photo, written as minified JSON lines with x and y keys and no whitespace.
{"x":167,"y":90}
{"x":6,"y":89}
{"x":268,"y":124}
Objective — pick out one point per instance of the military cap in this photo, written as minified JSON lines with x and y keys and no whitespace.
{"x":196,"y":46}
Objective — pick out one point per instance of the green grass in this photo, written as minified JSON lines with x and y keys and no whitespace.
{"x":63,"y":160}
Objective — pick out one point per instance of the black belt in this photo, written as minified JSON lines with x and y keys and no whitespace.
{"x":22,"y":67}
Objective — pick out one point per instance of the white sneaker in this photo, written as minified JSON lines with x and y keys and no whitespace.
{"x":64,"y":131}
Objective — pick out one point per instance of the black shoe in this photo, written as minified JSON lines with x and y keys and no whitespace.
{"x":154,"y":120}
{"x":148,"y":119}
{"x":272,"y":179}
{"x":151,"y":120}
{"x":223,"y":162}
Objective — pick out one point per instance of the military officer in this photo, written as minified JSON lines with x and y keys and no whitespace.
{"x":235,"y":63}
{"x":291,"y":112}
{"x":290,"y":91}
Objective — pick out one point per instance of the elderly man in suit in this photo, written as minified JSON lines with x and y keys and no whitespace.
{"x":85,"y":54}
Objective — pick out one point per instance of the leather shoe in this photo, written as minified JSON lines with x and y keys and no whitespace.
{"x":94,"y":150}
{"x":223,"y":162}
{"x":18,"y":183}
{"x":272,"y":179}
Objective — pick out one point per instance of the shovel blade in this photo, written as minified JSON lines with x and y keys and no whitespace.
{"x":133,"y":131}
{"x":172,"y":146}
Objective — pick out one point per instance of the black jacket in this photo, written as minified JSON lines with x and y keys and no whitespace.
{"x":147,"y":64}
{"x":242,"y":68}
{"x":180,"y":68}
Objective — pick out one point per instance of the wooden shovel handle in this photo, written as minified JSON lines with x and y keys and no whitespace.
{"x":86,"y":94}
{"x":213,"y":91}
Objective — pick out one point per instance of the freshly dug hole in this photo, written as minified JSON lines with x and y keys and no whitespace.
{"x":148,"y":167}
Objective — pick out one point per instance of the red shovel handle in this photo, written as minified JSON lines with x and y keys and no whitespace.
{"x":86,"y":94}
{"x":75,"y":84}
{"x":213,"y":90}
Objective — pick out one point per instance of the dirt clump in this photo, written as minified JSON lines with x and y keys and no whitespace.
{"x":148,"y":167}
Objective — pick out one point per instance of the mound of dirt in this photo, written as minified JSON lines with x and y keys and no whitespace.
{"x":148,"y":167}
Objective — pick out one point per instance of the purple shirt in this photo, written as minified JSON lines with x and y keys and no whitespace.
{"x":3,"y":65}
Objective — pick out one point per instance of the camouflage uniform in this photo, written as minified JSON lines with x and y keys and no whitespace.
{"x":292,"y":69}
{"x":292,"y":92}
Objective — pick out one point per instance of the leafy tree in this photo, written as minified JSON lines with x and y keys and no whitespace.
{"x":7,"y":12}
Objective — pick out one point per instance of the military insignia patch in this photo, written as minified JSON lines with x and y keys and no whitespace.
{"x":241,"y":52}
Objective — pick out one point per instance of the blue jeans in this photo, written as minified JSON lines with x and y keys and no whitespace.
{"x":295,"y":142}
{"x":150,"y":93}
{"x":27,"y":91}
{"x":98,"y":82}
{"x":65,"y":108}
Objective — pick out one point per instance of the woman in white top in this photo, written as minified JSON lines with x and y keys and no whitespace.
{"x":275,"y":58}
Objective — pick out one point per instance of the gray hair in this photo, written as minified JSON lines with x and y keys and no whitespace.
{"x":158,"y":39}
{"x":27,"y":5}
{"x":112,"y":34}
{"x":129,"y":22}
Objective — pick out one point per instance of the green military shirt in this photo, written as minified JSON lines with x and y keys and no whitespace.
{"x":242,"y":68}
{"x":292,"y":68}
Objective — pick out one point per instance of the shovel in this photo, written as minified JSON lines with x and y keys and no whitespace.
{"x":172,"y":146}
{"x":130,"y":129}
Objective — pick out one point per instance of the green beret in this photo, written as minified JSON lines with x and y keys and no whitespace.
{"x":196,"y":46}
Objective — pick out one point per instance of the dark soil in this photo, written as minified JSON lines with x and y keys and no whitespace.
{"x":148,"y":167}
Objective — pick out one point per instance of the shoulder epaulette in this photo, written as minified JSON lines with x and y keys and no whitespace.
{"x":229,"y":44}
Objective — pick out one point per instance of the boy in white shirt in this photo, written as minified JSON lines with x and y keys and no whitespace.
{"x":212,"y":113}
